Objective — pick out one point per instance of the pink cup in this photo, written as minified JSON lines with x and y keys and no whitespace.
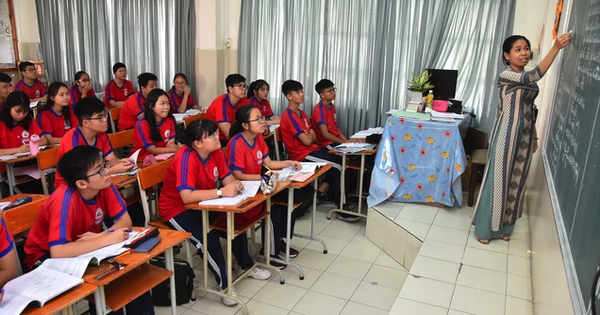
{"x":33,"y":144}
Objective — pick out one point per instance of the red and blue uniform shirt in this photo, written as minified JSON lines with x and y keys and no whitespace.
{"x":222,"y":111}
{"x":54,"y":124}
{"x":37,"y":90}
{"x":264,"y":106}
{"x":131,"y":109}
{"x":117,"y":93}
{"x":76,"y":95}
{"x":142,"y":140}
{"x":176,"y":101}
{"x":325,"y":115}
{"x":293,"y":125}
{"x":244,"y":157}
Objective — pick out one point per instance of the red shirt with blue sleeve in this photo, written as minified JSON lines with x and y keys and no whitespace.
{"x":264,"y":106}
{"x":222,"y":111}
{"x":189,"y":171}
{"x":117,"y":93}
{"x":6,"y":240}
{"x":293,"y":125}
{"x":325,"y":115}
{"x":17,"y":135}
{"x":176,"y":101}
{"x":75,"y":137}
{"x":131,"y":109}
{"x":37,"y":90}
{"x":245,"y":157}
{"x":76,"y":95}
{"x":142,"y":140}
{"x":54,"y":124}
{"x":65,"y":215}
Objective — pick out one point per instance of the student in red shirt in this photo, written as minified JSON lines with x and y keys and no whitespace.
{"x":8,"y":258}
{"x":222,"y":109}
{"x":5,"y":87}
{"x":258,"y":91}
{"x":69,"y":222}
{"x":179,"y":95}
{"x":34,"y":88}
{"x":82,"y":88}
{"x":17,"y":125}
{"x":301,"y":145}
{"x":93,"y":123}
{"x":155,"y":133}
{"x":118,"y":89}
{"x":57,"y":117}
{"x":325,"y":118}
{"x":191,"y":178}
{"x":133,"y":108}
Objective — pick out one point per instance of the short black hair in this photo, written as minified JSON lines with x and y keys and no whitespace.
{"x":323,"y":85}
{"x":198,"y":130}
{"x":290,"y":86}
{"x":75,"y":164}
{"x":24,"y":64}
{"x":233,"y":79}
{"x":146,"y":77}
{"x":16,"y":99}
{"x":5,"y":78}
{"x":87,"y":107}
{"x":508,"y":44}
{"x":118,"y":66}
{"x":78,"y":75}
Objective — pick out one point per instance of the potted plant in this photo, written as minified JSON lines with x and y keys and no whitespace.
{"x":419,"y":86}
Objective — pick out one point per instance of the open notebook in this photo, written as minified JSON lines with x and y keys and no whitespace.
{"x":250,"y":190}
{"x":307,"y":170}
{"x":52,"y":278}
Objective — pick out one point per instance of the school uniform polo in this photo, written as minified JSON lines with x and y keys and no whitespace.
{"x":117,"y":93}
{"x":54,"y":124}
{"x":264,"y":106}
{"x":37,"y":90}
{"x":142,"y":140}
{"x":6,"y":240}
{"x":73,"y":138}
{"x":293,"y":125}
{"x":245,"y":157}
{"x":76,"y":95}
{"x":176,"y":101}
{"x":131,"y":109}
{"x":325,"y":115}
{"x":222,"y":111}
{"x":17,"y":135}
{"x":65,"y":215}
{"x":189,"y":171}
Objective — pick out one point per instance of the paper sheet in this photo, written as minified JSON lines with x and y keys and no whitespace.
{"x":273,"y":127}
{"x":179,"y":117}
{"x":134,"y":156}
{"x":32,"y":171}
{"x":33,"y":104}
{"x":3,"y":205}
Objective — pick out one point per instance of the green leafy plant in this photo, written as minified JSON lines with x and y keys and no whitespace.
{"x":420,"y":83}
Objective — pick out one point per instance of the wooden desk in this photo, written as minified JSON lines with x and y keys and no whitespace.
{"x":123,"y":286}
{"x":122,"y":181}
{"x":63,"y":302}
{"x":21,"y":221}
{"x":10,"y":172}
{"x":360,"y":182}
{"x":231,"y":232}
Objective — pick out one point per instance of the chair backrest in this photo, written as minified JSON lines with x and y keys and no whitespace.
{"x":187,"y":120}
{"x":121,"y":138}
{"x":114,"y":114}
{"x":278,"y":144}
{"x":46,"y":159}
{"x":22,"y":218}
{"x":149,"y":177}
{"x":475,"y":139}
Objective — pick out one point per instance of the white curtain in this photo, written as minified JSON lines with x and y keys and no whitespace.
{"x":371,"y":48}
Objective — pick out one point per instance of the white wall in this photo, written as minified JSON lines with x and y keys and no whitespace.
{"x":26,"y":21}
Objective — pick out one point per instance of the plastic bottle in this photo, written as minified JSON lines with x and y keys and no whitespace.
{"x":429,"y":98}
{"x":33,"y":144}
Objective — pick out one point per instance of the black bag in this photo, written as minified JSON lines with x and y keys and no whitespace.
{"x":184,"y":283}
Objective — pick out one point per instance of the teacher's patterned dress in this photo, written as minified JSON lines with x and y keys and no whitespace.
{"x":501,"y":197}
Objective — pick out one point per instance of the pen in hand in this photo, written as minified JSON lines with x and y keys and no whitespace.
{"x":128,"y":231}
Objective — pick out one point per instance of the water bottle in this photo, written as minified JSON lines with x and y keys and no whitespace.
{"x":33,"y":144}
{"x":429,"y":98}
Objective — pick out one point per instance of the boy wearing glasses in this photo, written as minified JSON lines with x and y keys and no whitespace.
{"x":325,"y":118}
{"x":222,"y":109}
{"x":118,"y":89}
{"x":34,"y":88}
{"x":69,"y":222}
{"x":93,"y":123}
{"x":133,"y":108}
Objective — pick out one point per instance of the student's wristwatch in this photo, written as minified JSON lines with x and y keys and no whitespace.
{"x":219,"y":193}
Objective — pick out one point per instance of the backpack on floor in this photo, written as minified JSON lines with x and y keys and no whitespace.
{"x":184,"y":283}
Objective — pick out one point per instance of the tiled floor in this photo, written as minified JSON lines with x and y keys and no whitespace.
{"x":453,"y":273}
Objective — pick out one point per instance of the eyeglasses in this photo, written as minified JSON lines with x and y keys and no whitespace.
{"x":31,"y":70}
{"x":103,"y":170}
{"x":88,"y":80}
{"x":215,"y":135}
{"x":332,"y":91}
{"x":102,"y":117}
{"x":242,"y":86}
{"x":259,"y":120}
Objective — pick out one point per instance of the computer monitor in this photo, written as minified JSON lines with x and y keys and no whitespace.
{"x":444,"y":82}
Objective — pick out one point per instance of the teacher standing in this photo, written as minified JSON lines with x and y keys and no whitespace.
{"x":513,"y":141}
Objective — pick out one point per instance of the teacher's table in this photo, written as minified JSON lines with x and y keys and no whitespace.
{"x":418,"y":161}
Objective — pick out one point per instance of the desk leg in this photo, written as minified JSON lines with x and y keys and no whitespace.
{"x":170,"y":265}
{"x":230,"y":236}
{"x":343,"y":189}
{"x":267,"y":246}
{"x":10,"y":178}
{"x":99,"y":301}
{"x":205,"y":230}
{"x":360,"y":183}
{"x":313,"y":220}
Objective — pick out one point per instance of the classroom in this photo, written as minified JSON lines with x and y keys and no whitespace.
{"x":392,"y":157}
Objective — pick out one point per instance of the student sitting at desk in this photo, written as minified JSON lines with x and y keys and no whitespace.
{"x":82,"y":88}
{"x":246,"y":153}
{"x":57,"y":117}
{"x":8,"y":258}
{"x":301,"y":144}
{"x":181,"y":99}
{"x":69,"y":222}
{"x":34,"y":88}
{"x":118,"y":89}
{"x":155,"y":133}
{"x":6,"y":87}
{"x":258,"y":91}
{"x":93,"y":123}
{"x":191,"y":178}
{"x":325,"y":118}
{"x":222,"y":109}
{"x":17,"y":126}
{"x":133,"y":108}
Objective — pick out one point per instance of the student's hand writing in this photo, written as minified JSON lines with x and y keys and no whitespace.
{"x":128,"y":163}
{"x":88,"y":236}
{"x":22,"y":149}
{"x":232,"y":189}
{"x":117,"y":236}
{"x":295,"y":164}
{"x":187,"y":90}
